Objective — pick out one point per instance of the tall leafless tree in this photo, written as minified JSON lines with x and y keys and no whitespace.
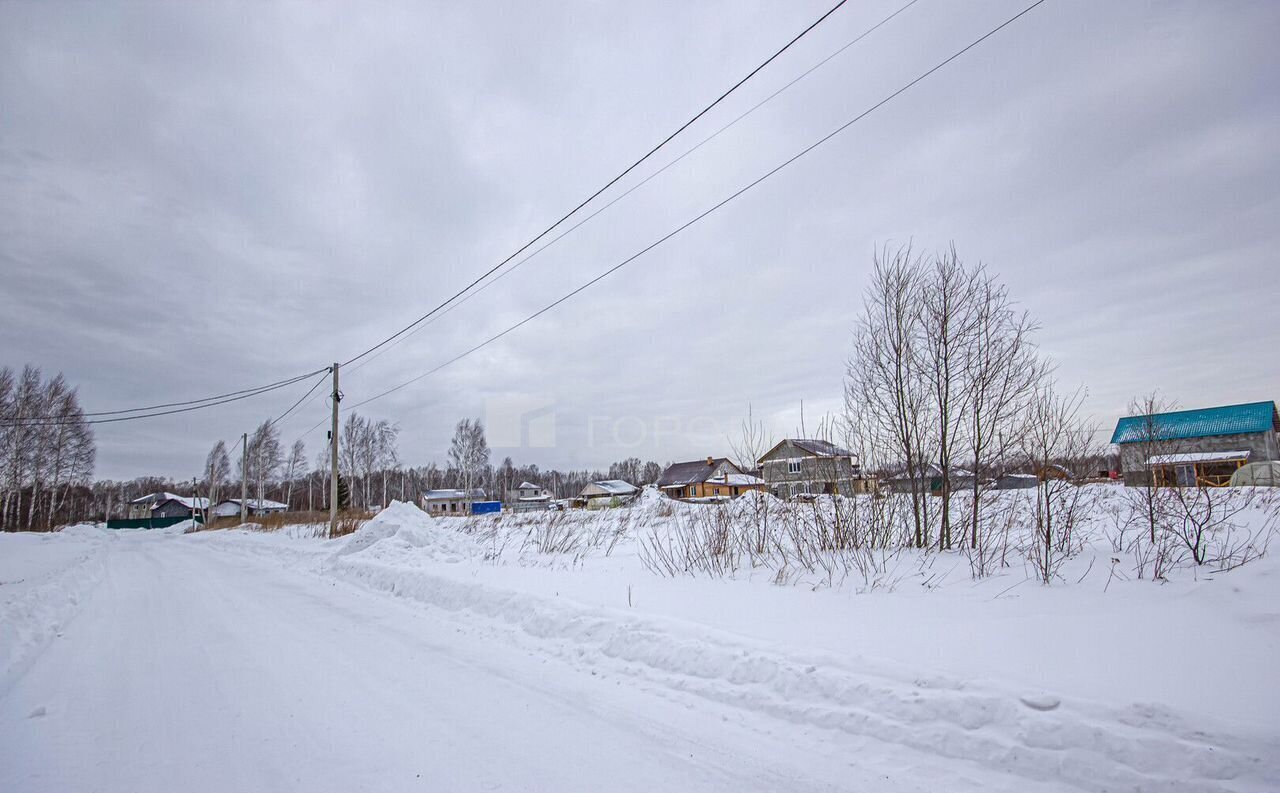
{"x":46,"y":449}
{"x":264,"y":457}
{"x":469,"y":453}
{"x":884,"y":376}
{"x":295,"y":467}
{"x":217,"y":471}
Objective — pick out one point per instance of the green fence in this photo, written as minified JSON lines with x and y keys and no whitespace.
{"x":147,"y":523}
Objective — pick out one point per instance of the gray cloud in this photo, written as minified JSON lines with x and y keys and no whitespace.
{"x":200,"y":197}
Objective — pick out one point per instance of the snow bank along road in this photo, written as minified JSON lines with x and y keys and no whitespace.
{"x":230,"y":661}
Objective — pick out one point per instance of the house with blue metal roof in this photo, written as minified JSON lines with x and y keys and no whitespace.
{"x":1196,"y":447}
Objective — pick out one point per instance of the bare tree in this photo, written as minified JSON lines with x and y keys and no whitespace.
{"x":1000,"y":373}
{"x":949,"y":307}
{"x":469,"y":453}
{"x":217,"y":470}
{"x":1054,"y":434}
{"x":1152,"y":442}
{"x":753,"y":440}
{"x":46,"y":449}
{"x":884,"y":381}
{"x":264,"y":457}
{"x":294,"y":467}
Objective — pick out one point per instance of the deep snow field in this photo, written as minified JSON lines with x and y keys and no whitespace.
{"x":923,"y":680}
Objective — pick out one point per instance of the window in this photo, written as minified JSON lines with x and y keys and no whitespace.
{"x":717,"y":491}
{"x":793,"y":466}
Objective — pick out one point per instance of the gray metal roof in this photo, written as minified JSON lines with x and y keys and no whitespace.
{"x":691,"y":473}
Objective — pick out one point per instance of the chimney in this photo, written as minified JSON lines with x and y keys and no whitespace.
{"x":711,"y":461}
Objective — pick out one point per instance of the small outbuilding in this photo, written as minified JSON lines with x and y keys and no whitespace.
{"x":230,"y":507}
{"x":608,"y":492}
{"x":450,"y":501}
{"x":1257,"y":475}
{"x":529,"y":497}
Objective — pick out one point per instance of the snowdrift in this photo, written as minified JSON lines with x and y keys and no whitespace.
{"x":44,"y":580}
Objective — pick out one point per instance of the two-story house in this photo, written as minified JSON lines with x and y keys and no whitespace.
{"x":1196,"y":447}
{"x":804,"y":466}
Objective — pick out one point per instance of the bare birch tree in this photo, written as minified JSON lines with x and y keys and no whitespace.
{"x":469,"y":453}
{"x":217,"y":470}
{"x":294,"y":468}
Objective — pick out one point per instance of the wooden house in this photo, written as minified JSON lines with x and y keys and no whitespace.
{"x":712,"y":478}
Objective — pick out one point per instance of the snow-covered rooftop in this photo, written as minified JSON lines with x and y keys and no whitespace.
{"x":253,"y":503}
{"x":616,"y":486}
{"x":1196,"y":457}
{"x":737,"y":480}
{"x":450,"y":494}
{"x":156,"y":499}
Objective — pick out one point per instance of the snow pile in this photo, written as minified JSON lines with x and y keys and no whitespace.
{"x":44,"y":580}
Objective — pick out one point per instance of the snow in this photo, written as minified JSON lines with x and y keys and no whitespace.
{"x":158,"y":499}
{"x":616,"y":486}
{"x":745,"y":480}
{"x":1196,"y":457}
{"x":459,"y":653}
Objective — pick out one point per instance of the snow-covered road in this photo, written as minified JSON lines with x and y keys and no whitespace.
{"x":191,"y":669}
{"x":153,"y":661}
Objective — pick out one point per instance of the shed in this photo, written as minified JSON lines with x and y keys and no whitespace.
{"x":450,"y":501}
{"x":608,"y":491}
{"x":230,"y":507}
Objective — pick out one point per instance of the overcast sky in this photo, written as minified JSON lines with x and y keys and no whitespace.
{"x":202,"y":197}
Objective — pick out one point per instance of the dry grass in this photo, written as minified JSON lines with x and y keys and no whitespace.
{"x":348,"y":521}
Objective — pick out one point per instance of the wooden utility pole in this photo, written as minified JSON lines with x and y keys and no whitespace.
{"x":333,"y":458}
{"x":244,"y":477}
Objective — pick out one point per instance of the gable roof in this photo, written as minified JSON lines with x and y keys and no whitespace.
{"x":1202,"y":422}
{"x":693,"y":472}
{"x":615,"y":487}
{"x":898,"y":473}
{"x":452,"y":494}
{"x":527,"y":485}
{"x":815,"y":447}
{"x":253,"y":503}
{"x":158,"y":500}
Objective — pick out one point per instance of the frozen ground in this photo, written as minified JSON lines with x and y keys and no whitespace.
{"x":423,"y":654}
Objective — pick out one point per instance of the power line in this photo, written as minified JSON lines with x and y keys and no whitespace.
{"x":294,"y":406}
{"x":219,"y":399}
{"x":723,"y":202}
{"x":55,"y":421}
{"x":642,"y":182}
{"x":606,"y":185}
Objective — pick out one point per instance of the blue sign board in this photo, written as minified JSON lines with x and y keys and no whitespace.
{"x":485,"y":507}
